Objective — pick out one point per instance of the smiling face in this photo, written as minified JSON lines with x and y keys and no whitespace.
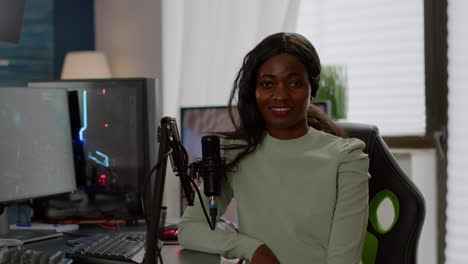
{"x":282,"y":92}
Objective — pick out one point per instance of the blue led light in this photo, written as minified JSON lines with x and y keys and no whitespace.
{"x":85,"y":115}
{"x":106,"y":158}
{"x":104,"y":163}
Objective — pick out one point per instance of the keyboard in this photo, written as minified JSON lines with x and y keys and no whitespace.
{"x":109,"y":248}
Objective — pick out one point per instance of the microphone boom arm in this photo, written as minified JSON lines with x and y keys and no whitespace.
{"x":169,"y":140}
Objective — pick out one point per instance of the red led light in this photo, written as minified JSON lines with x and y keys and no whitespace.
{"x":102,"y":181}
{"x":170,"y":234}
{"x":103,"y":91}
{"x":106,"y":125}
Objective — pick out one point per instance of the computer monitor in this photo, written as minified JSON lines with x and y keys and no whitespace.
{"x":36,"y":156}
{"x":114,"y":133}
{"x":196,"y":122}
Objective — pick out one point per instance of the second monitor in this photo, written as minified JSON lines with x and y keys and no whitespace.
{"x":36,"y":157}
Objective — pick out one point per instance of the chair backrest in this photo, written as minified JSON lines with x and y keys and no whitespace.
{"x":398,"y":242}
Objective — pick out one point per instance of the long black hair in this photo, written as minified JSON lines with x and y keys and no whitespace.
{"x":247,"y":120}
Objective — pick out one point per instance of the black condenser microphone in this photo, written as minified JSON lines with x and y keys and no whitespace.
{"x":212,"y":171}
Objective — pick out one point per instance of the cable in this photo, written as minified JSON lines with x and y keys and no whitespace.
{"x":184,"y":151}
{"x":156,"y":166}
{"x":210,"y":223}
{"x":143,"y":191}
{"x":76,"y":234}
{"x":147,"y":178}
{"x":106,"y":223}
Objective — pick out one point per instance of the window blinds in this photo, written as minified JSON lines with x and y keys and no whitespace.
{"x":456,"y":251}
{"x":381,"y":44}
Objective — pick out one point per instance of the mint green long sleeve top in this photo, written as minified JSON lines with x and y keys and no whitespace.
{"x":305,"y":198}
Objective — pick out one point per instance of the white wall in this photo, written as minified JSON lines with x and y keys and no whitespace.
{"x":420,"y":166}
{"x":456,"y":251}
{"x":129,"y":32}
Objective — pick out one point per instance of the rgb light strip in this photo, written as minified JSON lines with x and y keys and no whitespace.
{"x":104,"y":162}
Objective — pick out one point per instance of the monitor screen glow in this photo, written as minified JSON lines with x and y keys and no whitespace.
{"x":197,"y":122}
{"x":36,"y":157}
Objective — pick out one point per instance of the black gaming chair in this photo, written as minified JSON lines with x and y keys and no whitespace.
{"x":397,"y":243}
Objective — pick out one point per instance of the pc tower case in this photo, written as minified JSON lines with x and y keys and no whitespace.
{"x":114,"y":137}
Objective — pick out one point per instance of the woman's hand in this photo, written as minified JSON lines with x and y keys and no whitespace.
{"x":263,"y":255}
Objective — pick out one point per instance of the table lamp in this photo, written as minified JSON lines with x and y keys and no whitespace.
{"x":85,"y":65}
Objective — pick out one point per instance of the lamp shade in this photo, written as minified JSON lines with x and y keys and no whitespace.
{"x":85,"y":65}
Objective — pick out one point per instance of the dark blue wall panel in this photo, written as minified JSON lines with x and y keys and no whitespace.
{"x":50,"y":29}
{"x":32,"y":57}
{"x":73,"y":29}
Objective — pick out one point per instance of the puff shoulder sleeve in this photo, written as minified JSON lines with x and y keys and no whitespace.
{"x":351,"y":209}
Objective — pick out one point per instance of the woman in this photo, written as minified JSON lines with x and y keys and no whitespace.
{"x":301,"y":188}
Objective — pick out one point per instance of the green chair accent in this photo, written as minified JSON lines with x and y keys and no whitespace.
{"x":374,"y":205}
{"x":371,"y":246}
{"x":397,"y":243}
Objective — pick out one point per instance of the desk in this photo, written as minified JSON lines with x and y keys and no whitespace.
{"x":171,"y":254}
